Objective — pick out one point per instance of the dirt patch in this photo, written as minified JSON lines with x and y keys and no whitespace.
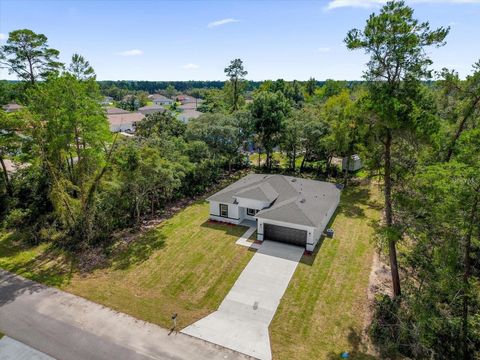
{"x":379,"y":283}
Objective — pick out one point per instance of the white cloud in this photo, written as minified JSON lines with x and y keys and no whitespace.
{"x":133,"y":52}
{"x":324,"y":49}
{"x":190,"y":66}
{"x":221,"y":22}
{"x":3,"y":36}
{"x":334,"y":4}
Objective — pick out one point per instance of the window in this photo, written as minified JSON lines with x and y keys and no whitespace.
{"x":223,"y":210}
{"x":251,"y":212}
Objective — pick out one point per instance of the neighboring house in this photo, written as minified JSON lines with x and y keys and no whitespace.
{"x":285,"y":208}
{"x":158,"y":99}
{"x":151,"y":109}
{"x":124,"y":122}
{"x":12,"y":107}
{"x":354,"y":165}
{"x":186,"y":115}
{"x":107,"y":100}
{"x":13,"y":167}
{"x":187,"y":99}
{"x":115,"y":111}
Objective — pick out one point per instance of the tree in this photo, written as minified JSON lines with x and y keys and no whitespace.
{"x":170,"y":91}
{"x":80,"y":68}
{"x":28,"y":55}
{"x":465,"y":96}
{"x":310,"y":86}
{"x":72,"y":142}
{"x":396,"y":43}
{"x":292,"y":137}
{"x":236,"y":73}
{"x":269,"y":111}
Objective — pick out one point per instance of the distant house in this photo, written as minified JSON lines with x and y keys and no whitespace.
{"x":354,"y":165}
{"x":158,"y":99}
{"x":124,"y":122}
{"x":151,"y":109}
{"x":186,"y":115}
{"x":12,"y":107}
{"x":107,"y":100}
{"x":284,"y":208}
{"x":115,"y":111}
{"x":186,"y":99}
{"x":13,"y":167}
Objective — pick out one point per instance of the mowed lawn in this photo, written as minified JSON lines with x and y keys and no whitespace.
{"x":322,"y":312}
{"x":186,"y":266}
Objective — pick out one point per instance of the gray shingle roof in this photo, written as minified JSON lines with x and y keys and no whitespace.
{"x":299,"y":201}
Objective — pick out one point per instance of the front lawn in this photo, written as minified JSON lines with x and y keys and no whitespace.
{"x":323,"y":310}
{"x":186,"y":266}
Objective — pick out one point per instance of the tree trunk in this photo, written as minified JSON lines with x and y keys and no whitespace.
{"x":294,"y":159}
{"x":460,"y":129}
{"x":302,"y":165}
{"x":345,"y":179}
{"x":389,"y":215}
{"x":466,"y":278}
{"x":8,"y":184}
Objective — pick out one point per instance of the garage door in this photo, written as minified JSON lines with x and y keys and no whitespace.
{"x":285,"y":234}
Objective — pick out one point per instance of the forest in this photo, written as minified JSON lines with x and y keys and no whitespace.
{"x":416,"y":130}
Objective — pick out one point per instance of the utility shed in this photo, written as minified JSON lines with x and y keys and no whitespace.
{"x":355,"y":163}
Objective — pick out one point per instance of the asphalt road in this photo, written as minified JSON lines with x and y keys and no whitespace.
{"x":68,"y":327}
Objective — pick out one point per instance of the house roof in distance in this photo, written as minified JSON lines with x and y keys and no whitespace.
{"x":115,"y":110}
{"x":151,"y":109}
{"x":128,"y":118}
{"x":12,"y":107}
{"x":299,"y":201}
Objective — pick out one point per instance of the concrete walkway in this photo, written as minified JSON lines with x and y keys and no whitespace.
{"x":241,"y":322}
{"x":66,"y":326}
{"x":11,"y":349}
{"x":243,"y":240}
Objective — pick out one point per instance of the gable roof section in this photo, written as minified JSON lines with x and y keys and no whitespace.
{"x":263,"y":192}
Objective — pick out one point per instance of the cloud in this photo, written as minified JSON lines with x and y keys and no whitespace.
{"x":190,"y":66}
{"x":221,"y":22}
{"x":324,"y":49}
{"x":133,"y":52}
{"x":334,"y":4}
{"x":3,"y":36}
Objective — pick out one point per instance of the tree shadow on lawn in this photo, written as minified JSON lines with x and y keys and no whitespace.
{"x":52,"y":267}
{"x":356,"y":350}
{"x":139,"y":250}
{"x":229,"y":229}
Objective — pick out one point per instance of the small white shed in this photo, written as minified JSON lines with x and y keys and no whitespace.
{"x":354,"y":165}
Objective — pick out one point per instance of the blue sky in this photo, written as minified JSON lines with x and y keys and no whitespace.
{"x":195,"y":40}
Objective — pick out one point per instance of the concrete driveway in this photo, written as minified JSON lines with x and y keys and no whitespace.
{"x":241,"y":322}
{"x":68,"y":327}
{"x":11,"y":349}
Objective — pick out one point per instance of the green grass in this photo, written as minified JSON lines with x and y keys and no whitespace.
{"x":186,"y":266}
{"x":322,"y":312}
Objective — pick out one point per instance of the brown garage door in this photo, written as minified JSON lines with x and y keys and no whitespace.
{"x":285,"y":234}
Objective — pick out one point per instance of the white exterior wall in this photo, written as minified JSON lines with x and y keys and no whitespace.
{"x":233,"y":213}
{"x":321,"y":228}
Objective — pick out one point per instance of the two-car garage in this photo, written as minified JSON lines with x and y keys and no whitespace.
{"x":285,"y":234}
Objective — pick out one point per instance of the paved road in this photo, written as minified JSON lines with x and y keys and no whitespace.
{"x":68,"y":327}
{"x":242,"y":320}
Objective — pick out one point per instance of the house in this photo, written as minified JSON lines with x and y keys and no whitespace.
{"x":187,"y":99}
{"x":354,"y":164}
{"x":186,"y":115}
{"x":285,"y":208}
{"x":107,"y":100}
{"x":115,"y":111}
{"x":12,"y":107}
{"x":158,"y":99}
{"x":151,"y":109}
{"x":120,"y":122}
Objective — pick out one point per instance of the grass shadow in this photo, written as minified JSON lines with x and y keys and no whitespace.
{"x":357,"y":350}
{"x":229,"y":229}
{"x":352,"y":199}
{"x":138,"y":250}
